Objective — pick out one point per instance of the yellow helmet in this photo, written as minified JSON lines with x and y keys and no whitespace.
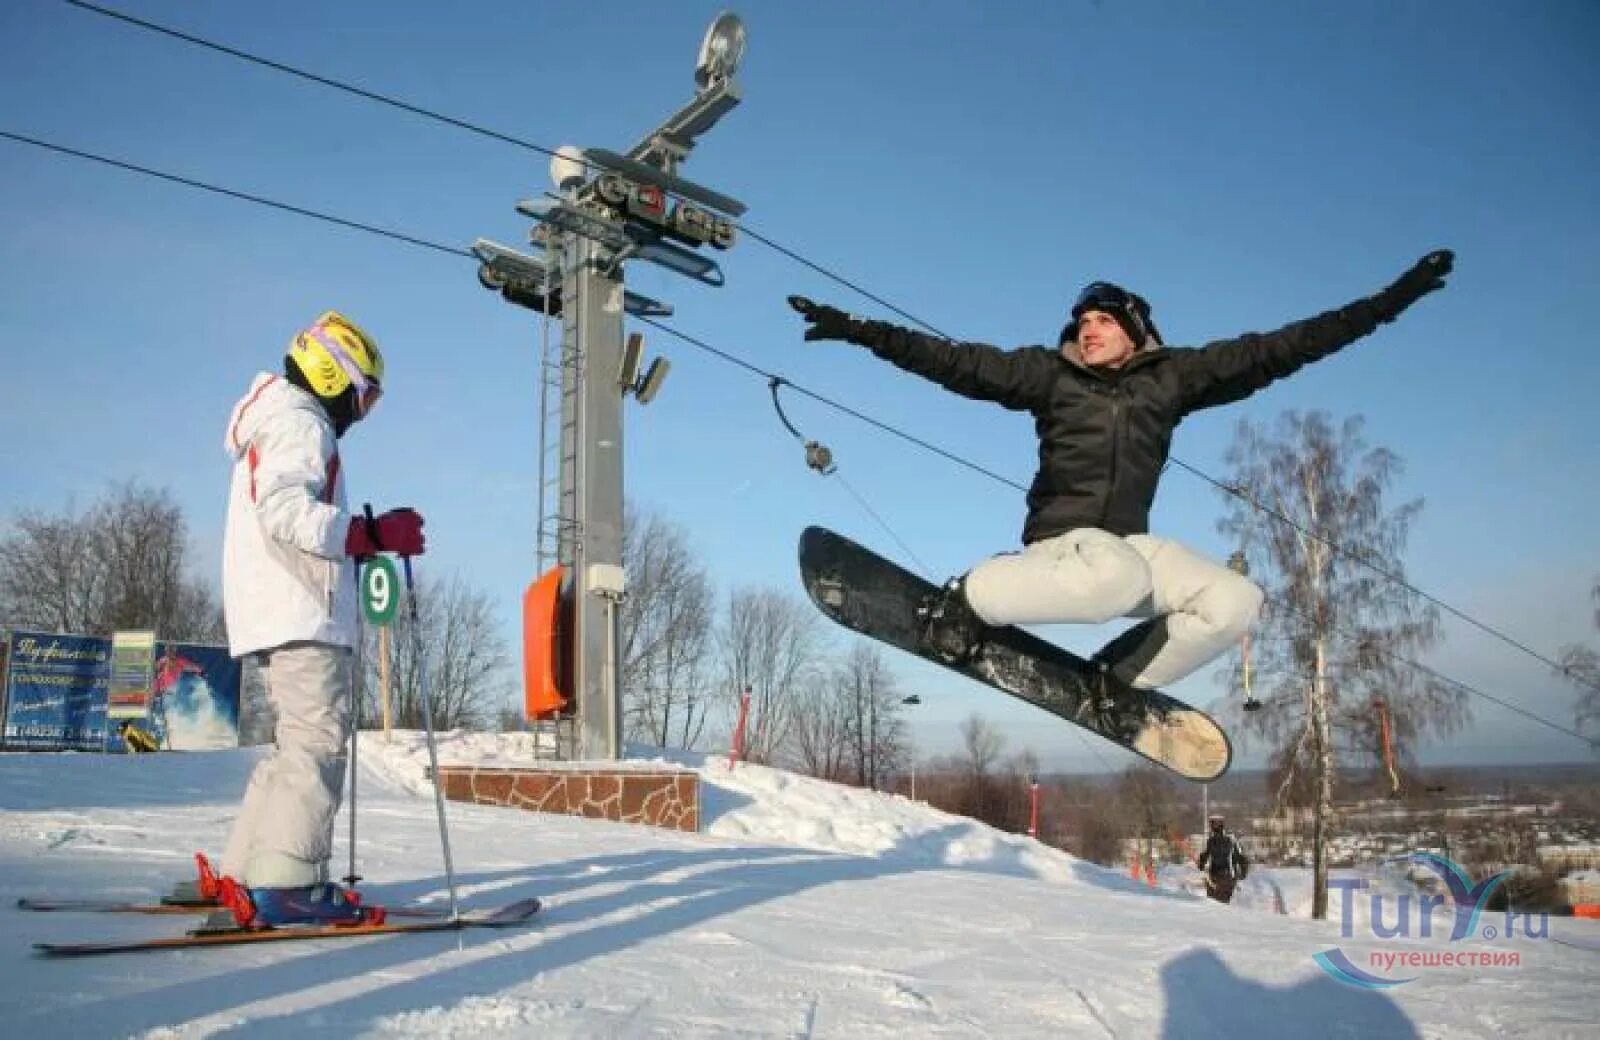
{"x":334,"y":354}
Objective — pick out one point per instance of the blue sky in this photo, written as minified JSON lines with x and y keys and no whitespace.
{"x":1240,"y":164}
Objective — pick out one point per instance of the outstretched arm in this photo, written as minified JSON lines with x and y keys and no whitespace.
{"x":1231,"y":370}
{"x":1013,"y":378}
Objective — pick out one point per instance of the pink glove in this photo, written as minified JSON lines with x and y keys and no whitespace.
{"x":397,"y":531}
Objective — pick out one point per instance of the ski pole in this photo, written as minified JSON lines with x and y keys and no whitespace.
{"x":427,"y":723}
{"x":355,"y":732}
{"x":355,"y":693}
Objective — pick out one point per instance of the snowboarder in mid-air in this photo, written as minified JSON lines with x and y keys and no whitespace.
{"x":1105,"y":401}
{"x":289,"y":597}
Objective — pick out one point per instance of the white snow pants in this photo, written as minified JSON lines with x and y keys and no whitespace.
{"x":1194,"y":609}
{"x":283,"y":836}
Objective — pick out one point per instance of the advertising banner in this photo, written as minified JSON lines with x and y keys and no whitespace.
{"x":194,"y":697}
{"x":56,"y":691}
{"x":132,"y":673}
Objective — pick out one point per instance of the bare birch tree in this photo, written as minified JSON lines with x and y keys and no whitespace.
{"x":1339,"y":628}
{"x":666,"y":636}
{"x":771,"y":642}
{"x":122,"y":563}
{"x":469,"y":669}
{"x":982,"y":745}
{"x":1581,"y":664}
{"x":822,"y":733}
{"x":865,"y":688}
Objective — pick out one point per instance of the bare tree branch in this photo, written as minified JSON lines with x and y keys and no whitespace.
{"x":470,"y":676}
{"x":666,"y":635}
{"x":772,"y":643}
{"x":123,"y":563}
{"x":1581,"y":665}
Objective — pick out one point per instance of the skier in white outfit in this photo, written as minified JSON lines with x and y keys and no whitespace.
{"x":289,"y":597}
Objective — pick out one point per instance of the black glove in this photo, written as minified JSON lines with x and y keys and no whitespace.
{"x":1423,"y":278}
{"x":822,"y":321}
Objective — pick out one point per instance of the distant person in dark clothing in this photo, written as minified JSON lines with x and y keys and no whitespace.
{"x":1223,"y":861}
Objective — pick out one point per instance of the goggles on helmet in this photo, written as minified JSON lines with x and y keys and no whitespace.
{"x":1103,"y":296}
{"x":367,"y":399}
{"x":1113,"y":299}
{"x":341,"y":357}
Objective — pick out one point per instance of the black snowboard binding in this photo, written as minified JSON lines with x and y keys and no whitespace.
{"x":951,"y":630}
{"x":1115,"y":705}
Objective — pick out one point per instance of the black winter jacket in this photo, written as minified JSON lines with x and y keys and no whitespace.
{"x":1104,"y":433}
{"x":1222,"y":857}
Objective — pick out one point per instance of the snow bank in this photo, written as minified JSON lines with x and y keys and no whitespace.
{"x":802,"y":909}
{"x":760,"y":805}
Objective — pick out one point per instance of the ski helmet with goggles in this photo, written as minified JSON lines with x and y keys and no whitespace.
{"x":334,"y":355}
{"x":1130,"y":310}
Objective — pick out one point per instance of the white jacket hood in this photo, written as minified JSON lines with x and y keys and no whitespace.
{"x":268,"y":395}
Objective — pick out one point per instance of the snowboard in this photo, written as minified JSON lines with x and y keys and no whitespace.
{"x":873,"y":596}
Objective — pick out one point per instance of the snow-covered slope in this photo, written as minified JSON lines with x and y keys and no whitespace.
{"x":803,"y":909}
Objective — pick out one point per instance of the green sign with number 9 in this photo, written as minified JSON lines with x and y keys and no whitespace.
{"x":380,"y":591}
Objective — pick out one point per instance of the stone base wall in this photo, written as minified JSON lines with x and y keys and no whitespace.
{"x":662,"y":798}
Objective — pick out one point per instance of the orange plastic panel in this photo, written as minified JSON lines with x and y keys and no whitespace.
{"x":541,"y":610}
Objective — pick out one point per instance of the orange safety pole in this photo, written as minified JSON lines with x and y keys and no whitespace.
{"x":737,"y":751}
{"x":1388,"y":748}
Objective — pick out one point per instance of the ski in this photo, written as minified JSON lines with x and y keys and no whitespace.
{"x":114,"y":906}
{"x":506,"y":916}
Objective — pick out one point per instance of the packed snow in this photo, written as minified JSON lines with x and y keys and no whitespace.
{"x":802,"y":909}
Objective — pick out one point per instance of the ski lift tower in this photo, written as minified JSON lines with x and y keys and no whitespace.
{"x":608,"y":208}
